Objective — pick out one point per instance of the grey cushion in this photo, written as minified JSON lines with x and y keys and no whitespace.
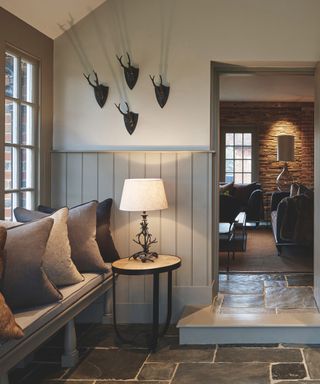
{"x":82,"y":235}
{"x":24,"y":282}
{"x":25,"y":215}
{"x":82,"y":222}
{"x":104,"y":239}
{"x":31,"y":319}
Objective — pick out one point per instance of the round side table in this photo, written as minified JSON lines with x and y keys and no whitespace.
{"x":162,"y":264}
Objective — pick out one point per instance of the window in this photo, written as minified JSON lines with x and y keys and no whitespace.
{"x":21,"y":117}
{"x":238,"y":155}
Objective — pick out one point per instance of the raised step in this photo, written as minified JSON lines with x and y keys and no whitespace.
{"x":202,"y":325}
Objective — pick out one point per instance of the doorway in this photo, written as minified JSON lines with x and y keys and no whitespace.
{"x":222,"y":69}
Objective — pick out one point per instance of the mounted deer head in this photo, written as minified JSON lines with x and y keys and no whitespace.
{"x":130,"y":118}
{"x":100,"y":91}
{"x":161,"y":91}
{"x":131,"y":73}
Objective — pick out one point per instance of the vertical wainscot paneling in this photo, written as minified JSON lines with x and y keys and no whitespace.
{"x":184,"y":229}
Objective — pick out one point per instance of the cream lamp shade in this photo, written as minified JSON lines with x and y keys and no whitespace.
{"x":143,"y":195}
{"x":285,"y":150}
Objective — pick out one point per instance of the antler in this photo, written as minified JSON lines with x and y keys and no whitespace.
{"x":128,"y":109}
{"x":118,"y":107}
{"x":152,"y":79}
{"x":96,"y":76}
{"x":129,"y":60}
{"x":120,"y":61}
{"x":88,"y":78}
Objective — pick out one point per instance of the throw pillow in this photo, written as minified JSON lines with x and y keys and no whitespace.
{"x":57,"y":261}
{"x":24,"y":282}
{"x":85,"y":252}
{"x":9,"y":329}
{"x":25,"y":215}
{"x":242,"y":192}
{"x":294,"y":189}
{"x":3,"y":238}
{"x":103,"y":234}
{"x":226,"y":189}
{"x":303,"y":190}
{"x":104,"y":239}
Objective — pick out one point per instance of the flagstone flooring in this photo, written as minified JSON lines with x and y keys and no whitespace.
{"x":103,"y":360}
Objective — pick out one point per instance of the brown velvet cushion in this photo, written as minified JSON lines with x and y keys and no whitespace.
{"x":24,"y":282}
{"x":242,"y":192}
{"x":9,"y":329}
{"x":82,"y":235}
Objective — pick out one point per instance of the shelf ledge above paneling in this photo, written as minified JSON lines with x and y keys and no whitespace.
{"x":197,"y":149}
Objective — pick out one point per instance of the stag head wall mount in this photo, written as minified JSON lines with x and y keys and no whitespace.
{"x":131,"y":73}
{"x":130,"y":118}
{"x":100,"y":91}
{"x":161,"y":91}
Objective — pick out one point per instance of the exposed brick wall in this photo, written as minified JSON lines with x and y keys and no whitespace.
{"x":272,"y":119}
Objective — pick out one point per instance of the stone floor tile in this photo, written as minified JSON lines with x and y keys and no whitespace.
{"x":299,"y":382}
{"x":235,"y":288}
{"x":312,"y":358}
{"x":275,"y":283}
{"x":127,"y":382}
{"x":109,"y":364}
{"x":274,"y":345}
{"x":231,"y":310}
{"x":104,"y":336}
{"x":246,"y":301}
{"x":297,"y":310}
{"x":257,"y":355}
{"x":36,"y":373}
{"x":222,"y":373}
{"x":300,"y":279}
{"x":179,"y":354}
{"x":68,"y":381}
{"x":157,"y":371}
{"x":284,"y":371}
{"x":281,"y":297}
{"x":245,"y":277}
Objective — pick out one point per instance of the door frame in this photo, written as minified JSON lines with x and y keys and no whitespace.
{"x":292,"y":68}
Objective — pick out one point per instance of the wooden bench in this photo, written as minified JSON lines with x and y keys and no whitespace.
{"x":40,"y":323}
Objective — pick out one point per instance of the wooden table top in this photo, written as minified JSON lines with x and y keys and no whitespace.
{"x":162,"y":263}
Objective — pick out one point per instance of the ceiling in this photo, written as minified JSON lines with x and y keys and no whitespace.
{"x":45,"y":15}
{"x":267,"y":87}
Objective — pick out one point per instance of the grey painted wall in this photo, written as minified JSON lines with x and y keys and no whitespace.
{"x":184,"y":229}
{"x":183,"y":35}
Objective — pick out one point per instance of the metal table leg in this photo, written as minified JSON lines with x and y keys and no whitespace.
{"x":155,"y":325}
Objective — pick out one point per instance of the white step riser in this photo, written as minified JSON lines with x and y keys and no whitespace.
{"x":249,"y":335}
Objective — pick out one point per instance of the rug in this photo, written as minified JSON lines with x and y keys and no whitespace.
{"x":261,"y":255}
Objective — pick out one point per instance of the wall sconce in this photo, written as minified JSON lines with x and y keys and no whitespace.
{"x":285,"y":152}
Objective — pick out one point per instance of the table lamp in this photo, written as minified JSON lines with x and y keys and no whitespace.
{"x":143,"y":195}
{"x":285,"y":152}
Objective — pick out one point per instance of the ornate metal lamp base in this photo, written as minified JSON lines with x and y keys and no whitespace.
{"x":144,"y":238}
{"x":144,"y":256}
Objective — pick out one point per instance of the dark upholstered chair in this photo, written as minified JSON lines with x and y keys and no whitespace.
{"x":242,"y":198}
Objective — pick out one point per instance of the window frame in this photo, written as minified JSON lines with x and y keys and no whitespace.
{"x":35,"y":105}
{"x":254,"y":145}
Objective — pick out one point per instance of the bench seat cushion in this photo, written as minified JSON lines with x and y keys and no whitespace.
{"x":30,"y":320}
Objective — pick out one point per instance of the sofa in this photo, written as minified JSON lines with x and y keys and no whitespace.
{"x":292,"y":217}
{"x":43,"y":248}
{"x":235,"y":198}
